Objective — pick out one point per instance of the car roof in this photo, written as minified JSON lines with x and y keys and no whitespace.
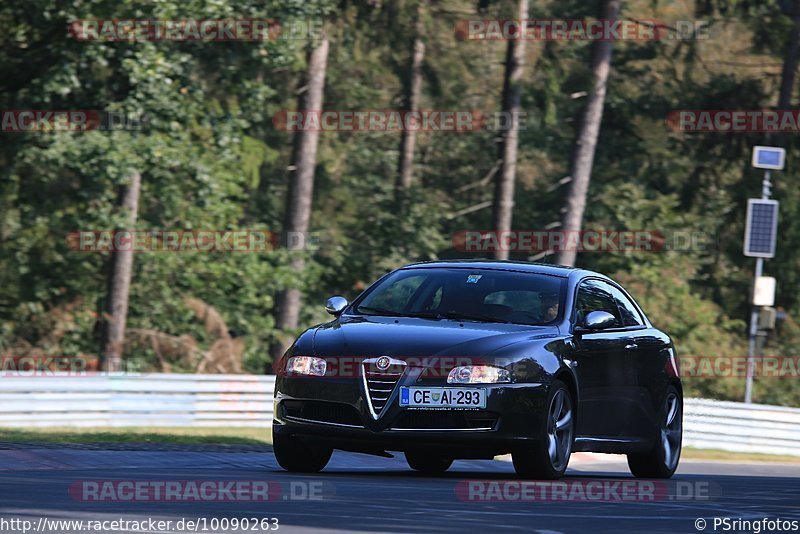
{"x":506,"y":265}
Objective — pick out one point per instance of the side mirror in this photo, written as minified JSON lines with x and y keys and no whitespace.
{"x":598,"y":320}
{"x":336,"y":305}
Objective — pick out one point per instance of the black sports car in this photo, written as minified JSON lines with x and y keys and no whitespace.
{"x":473,"y":359}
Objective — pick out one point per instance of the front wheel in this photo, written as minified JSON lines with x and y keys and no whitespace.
{"x":428,"y":463}
{"x":548,"y":457}
{"x":298,"y":456}
{"x":662,"y":460}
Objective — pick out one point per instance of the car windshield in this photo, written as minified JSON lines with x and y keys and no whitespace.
{"x":482,"y":295}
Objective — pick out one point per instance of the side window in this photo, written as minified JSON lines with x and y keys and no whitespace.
{"x":594,"y":295}
{"x":630,"y":315}
{"x":396,"y":296}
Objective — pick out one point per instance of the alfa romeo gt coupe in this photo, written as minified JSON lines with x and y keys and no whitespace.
{"x":473,"y":359}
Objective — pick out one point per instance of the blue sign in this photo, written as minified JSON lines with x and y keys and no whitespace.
{"x":768,"y":157}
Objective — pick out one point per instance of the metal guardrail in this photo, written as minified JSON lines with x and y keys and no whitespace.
{"x":246,"y":400}
{"x":740,"y":427}
{"x":118,"y":400}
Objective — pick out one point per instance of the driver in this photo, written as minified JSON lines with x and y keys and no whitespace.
{"x":549,"y":306}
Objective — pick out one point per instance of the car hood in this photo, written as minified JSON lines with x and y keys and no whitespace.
{"x":407,"y":337}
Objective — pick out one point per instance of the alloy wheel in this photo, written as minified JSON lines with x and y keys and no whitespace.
{"x":559,"y":429}
{"x":671,"y":430}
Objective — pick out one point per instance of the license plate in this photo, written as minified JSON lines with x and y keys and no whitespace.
{"x":443,"y":397}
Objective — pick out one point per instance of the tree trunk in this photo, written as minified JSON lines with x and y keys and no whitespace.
{"x":405,"y":174}
{"x":503,"y":204}
{"x":586,"y":142}
{"x":300,"y":192}
{"x":789,"y":68}
{"x":119,"y":285}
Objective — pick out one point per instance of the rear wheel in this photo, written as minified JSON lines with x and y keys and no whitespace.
{"x":427,"y":463}
{"x":548,"y":456}
{"x":662,"y":460}
{"x":299,"y":456}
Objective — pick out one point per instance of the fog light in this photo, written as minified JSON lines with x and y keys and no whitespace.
{"x":478,"y":374}
{"x":306,"y":365}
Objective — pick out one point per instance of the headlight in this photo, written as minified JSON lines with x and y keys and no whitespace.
{"x":478,"y":374}
{"x":306,"y":365}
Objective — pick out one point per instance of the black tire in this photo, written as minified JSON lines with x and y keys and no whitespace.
{"x":430,"y":464}
{"x":299,"y":456}
{"x":535,"y":461}
{"x":656,"y":463}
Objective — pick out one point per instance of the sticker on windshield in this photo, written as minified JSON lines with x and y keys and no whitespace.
{"x":473,"y":278}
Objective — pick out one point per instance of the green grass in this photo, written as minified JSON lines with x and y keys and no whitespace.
{"x":690,"y":453}
{"x":206,"y":435}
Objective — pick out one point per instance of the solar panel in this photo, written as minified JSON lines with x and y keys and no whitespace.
{"x":761,"y":230}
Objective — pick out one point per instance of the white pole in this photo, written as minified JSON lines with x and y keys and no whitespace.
{"x":766,"y":185}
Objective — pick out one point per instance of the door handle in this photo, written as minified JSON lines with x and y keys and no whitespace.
{"x":631,"y":346}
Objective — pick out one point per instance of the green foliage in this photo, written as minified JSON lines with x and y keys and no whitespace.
{"x":211,"y":158}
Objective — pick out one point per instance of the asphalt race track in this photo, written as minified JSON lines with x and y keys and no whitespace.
{"x":365,"y":493}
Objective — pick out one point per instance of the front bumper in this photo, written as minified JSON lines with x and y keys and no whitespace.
{"x":341,"y":418}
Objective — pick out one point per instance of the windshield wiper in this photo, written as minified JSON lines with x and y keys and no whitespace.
{"x":472,"y":317}
{"x":392,"y":313}
{"x":432,"y":315}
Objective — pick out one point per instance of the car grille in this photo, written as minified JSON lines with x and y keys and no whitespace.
{"x":380,"y":384}
{"x":321,"y":412}
{"x":446,"y":420}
